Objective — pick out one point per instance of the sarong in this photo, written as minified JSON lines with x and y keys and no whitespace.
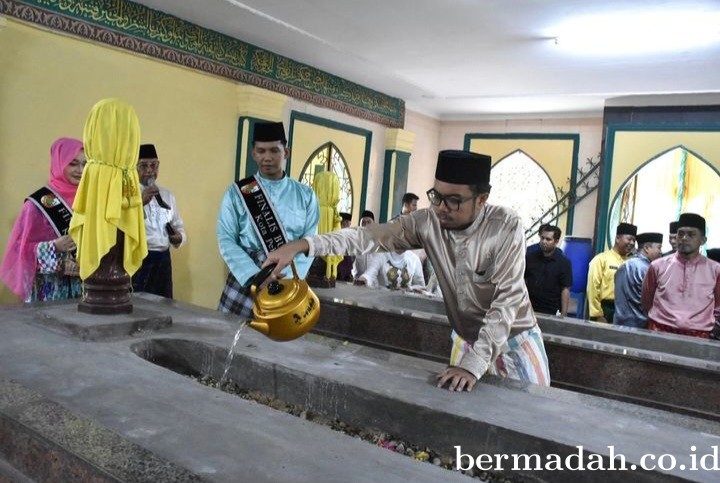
{"x":522,"y":357}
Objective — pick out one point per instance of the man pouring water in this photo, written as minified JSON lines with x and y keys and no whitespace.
{"x":478,"y":251}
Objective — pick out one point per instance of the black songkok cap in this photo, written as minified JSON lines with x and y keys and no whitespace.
{"x":269,"y":131}
{"x":626,"y":229}
{"x":673,"y":227}
{"x":714,"y":254}
{"x":346,"y":216}
{"x":692,"y":220}
{"x":147,"y":151}
{"x":463,"y":167}
{"x":368,"y":214}
{"x":649,"y":238}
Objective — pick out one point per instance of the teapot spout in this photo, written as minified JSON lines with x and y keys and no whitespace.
{"x":261,"y":327}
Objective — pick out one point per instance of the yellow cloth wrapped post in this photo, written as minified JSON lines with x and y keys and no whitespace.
{"x":327,"y":188}
{"x":108,"y":198}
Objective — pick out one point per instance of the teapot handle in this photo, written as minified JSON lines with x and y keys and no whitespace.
{"x":260,"y":277}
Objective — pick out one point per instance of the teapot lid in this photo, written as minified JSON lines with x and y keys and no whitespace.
{"x":281,"y":296}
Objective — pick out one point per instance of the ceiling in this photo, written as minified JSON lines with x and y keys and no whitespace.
{"x":475,"y":59}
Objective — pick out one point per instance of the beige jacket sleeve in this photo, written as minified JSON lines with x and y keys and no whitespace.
{"x":508,"y":303}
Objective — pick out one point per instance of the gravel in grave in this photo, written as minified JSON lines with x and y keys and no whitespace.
{"x":378,"y":438}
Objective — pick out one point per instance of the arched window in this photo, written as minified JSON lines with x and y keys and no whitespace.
{"x":520,"y":183}
{"x":676,"y":181}
{"x":329,"y":158}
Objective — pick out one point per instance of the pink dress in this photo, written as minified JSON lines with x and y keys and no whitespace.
{"x":31,"y":267}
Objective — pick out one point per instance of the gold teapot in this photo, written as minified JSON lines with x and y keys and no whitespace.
{"x":286,"y":309}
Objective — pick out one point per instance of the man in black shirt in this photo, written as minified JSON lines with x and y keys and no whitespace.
{"x":548,"y":274}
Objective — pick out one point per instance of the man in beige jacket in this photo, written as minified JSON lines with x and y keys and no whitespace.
{"x":478,"y":251}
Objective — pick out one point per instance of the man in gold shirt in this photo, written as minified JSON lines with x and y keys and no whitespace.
{"x":601,"y":275}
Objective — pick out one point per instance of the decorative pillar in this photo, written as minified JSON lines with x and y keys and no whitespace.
{"x":398,"y":146}
{"x":254,"y":105}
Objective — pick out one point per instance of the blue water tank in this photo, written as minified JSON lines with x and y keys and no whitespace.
{"x":579,"y":251}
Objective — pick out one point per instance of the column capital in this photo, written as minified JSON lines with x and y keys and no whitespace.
{"x":399,"y":140}
{"x":260,"y":103}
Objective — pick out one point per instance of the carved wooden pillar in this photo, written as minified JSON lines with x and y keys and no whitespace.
{"x":107,"y":291}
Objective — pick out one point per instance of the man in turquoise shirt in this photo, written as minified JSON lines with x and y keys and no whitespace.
{"x":296,"y":207}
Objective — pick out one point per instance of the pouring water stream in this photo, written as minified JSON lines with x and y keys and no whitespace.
{"x":231,"y":352}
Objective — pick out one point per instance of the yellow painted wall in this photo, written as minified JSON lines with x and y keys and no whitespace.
{"x":554,"y":155}
{"x":634,"y":148}
{"x":308,"y":137}
{"x":49,"y":82}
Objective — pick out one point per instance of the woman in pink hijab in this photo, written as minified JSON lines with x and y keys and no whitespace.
{"x":35,"y":264}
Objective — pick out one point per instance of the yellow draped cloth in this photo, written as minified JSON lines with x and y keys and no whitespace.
{"x":108,"y":198}
{"x":327,"y":188}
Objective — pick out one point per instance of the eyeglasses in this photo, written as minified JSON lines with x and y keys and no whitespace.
{"x":150,"y":165}
{"x":452,"y":202}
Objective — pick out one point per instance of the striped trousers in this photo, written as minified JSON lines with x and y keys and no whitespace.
{"x":522,"y":357}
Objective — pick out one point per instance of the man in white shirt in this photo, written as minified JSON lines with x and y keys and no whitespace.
{"x":396,"y":271}
{"x":163,"y":228}
{"x":363,"y":261}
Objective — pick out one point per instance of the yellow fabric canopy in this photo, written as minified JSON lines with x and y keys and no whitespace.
{"x":327,"y":188}
{"x":108,"y":198}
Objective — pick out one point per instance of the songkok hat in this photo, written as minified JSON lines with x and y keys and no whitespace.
{"x":147,"y":151}
{"x":368,"y":214}
{"x":269,"y":131}
{"x":463,"y":167}
{"x":626,"y":229}
{"x":649,"y":238}
{"x":692,"y":220}
{"x":714,"y":254}
{"x":673,"y":227}
{"x":346,"y":216}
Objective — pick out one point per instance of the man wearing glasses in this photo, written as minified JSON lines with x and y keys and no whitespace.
{"x":478,"y":251}
{"x":163,"y":228}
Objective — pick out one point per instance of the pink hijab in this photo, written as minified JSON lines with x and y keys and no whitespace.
{"x":31,"y":227}
{"x":62,"y":152}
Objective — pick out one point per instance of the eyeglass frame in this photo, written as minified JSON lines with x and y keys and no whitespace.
{"x":444,"y":199}
{"x":151,"y":165}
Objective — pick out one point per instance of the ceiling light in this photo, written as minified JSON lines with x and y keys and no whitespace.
{"x":638,"y":33}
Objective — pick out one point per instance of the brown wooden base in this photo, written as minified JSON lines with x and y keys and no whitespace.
{"x":107,"y":290}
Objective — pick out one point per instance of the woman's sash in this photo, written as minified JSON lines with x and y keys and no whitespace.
{"x":262,"y":213}
{"x":55,"y":209}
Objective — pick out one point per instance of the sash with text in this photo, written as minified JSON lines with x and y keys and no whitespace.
{"x":55,"y":209}
{"x":262,"y":212}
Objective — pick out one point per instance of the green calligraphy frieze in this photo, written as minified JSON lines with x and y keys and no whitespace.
{"x":141,"y":29}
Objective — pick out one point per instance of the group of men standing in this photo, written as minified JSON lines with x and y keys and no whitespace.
{"x":677,"y":293}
